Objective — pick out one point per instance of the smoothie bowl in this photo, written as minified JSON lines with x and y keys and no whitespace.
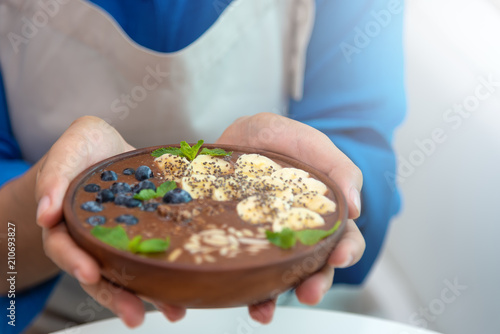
{"x":205,"y":226}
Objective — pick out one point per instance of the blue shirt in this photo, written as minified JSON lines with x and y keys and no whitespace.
{"x":354,"y":93}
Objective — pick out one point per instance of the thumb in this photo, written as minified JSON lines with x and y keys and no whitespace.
{"x":300,"y":141}
{"x":87,"y":141}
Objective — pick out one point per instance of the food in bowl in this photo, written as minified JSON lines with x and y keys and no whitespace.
{"x":205,"y":225}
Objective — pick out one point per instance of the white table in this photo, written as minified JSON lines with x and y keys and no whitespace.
{"x":236,"y":320}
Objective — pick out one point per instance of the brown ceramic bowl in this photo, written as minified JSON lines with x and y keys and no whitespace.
{"x":233,"y":283}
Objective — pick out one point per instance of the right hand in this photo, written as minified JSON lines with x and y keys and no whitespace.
{"x":87,"y":141}
{"x":283,"y":135}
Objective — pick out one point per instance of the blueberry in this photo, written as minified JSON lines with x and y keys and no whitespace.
{"x":127,"y":219}
{"x":120,"y":187}
{"x":105,"y":195}
{"x":128,"y":171}
{"x":109,"y":175}
{"x":177,"y":196}
{"x":92,"y":206}
{"x":121,"y":199}
{"x":143,"y":185}
{"x":96,"y":220}
{"x":150,"y":207}
{"x":132,"y":203}
{"x":91,"y":188}
{"x":143,"y":173}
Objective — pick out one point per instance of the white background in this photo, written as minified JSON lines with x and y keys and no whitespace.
{"x":449,"y":228}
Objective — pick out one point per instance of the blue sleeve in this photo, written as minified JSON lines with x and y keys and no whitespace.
{"x":164,"y":26}
{"x":30,"y":302}
{"x":11,"y":163}
{"x":26,"y":307}
{"x":354,"y":93}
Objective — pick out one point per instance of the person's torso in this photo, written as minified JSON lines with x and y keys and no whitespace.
{"x":65,"y":59}
{"x":79,"y":62}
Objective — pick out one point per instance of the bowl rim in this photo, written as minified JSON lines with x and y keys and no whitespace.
{"x":74,"y":224}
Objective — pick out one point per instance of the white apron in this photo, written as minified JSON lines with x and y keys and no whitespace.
{"x":62,"y":59}
{"x":68,"y":58}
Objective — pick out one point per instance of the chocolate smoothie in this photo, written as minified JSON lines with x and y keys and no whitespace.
{"x":232,"y":201}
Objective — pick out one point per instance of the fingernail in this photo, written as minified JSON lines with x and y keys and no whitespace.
{"x":355,"y":198}
{"x":78,"y":275}
{"x":43,"y":205}
{"x":348,"y":262}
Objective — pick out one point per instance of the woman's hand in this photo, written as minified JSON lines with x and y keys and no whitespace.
{"x":87,"y":141}
{"x":90,"y":139}
{"x":282,"y":135}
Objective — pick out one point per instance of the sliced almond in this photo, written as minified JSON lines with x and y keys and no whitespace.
{"x":174,"y":255}
{"x":247,"y":232}
{"x":252,"y":241}
{"x":209,"y":258}
{"x":216,"y":240}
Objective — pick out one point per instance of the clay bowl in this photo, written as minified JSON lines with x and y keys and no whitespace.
{"x":209,"y":285}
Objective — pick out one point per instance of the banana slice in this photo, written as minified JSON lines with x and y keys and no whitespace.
{"x":264,"y":185}
{"x":301,"y":185}
{"x":248,"y":186}
{"x":297,"y":219}
{"x":299,"y":181}
{"x":315,"y":202}
{"x":276,"y":187}
{"x":260,"y":209}
{"x":198,"y":185}
{"x":289,"y":173}
{"x":255,"y":165}
{"x":174,"y":167}
{"x":209,"y":165}
{"x":226,"y":189}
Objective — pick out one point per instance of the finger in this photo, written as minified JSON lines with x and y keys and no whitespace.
{"x":172,"y":313}
{"x":283,"y":135}
{"x":63,"y":251}
{"x":87,"y":141}
{"x":312,"y":290}
{"x":124,"y":304}
{"x":263,"y":312}
{"x":350,"y":248}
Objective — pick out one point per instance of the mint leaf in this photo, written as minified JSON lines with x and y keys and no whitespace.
{"x":133,"y":244}
{"x":118,"y":238}
{"x":113,"y":236}
{"x":154,"y":245}
{"x":190,"y":152}
{"x":164,"y":188}
{"x":146,"y":194}
{"x":164,"y":150}
{"x":184,"y":151}
{"x":285,"y":239}
{"x":312,"y":237}
{"x":196,"y":147}
{"x":215,"y":152}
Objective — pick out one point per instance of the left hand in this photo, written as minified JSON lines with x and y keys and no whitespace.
{"x":283,"y":135}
